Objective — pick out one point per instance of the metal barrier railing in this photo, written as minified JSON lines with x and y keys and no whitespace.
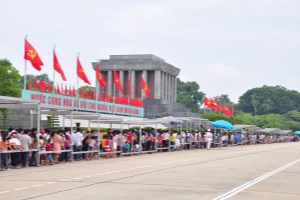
{"x":192,"y":145}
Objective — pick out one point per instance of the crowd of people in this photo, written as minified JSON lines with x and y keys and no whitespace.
{"x":25,"y":147}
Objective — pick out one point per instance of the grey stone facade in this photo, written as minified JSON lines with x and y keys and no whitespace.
{"x":160,"y":76}
{"x":154,"y":108}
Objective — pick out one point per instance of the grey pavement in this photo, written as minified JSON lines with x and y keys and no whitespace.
{"x":186,"y":175}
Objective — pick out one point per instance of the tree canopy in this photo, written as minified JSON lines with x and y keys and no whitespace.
{"x":10,"y":78}
{"x":189,"y":94}
{"x":269,"y":99}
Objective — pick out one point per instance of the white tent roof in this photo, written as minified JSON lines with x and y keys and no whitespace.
{"x":169,"y":120}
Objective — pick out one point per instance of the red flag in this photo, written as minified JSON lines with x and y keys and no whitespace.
{"x":214,"y":103}
{"x":58,"y":90}
{"x":117,"y":81}
{"x":99,"y":76}
{"x":29,"y":85}
{"x":31,"y":55}
{"x":219,"y":108}
{"x":35,"y":84}
{"x":209,"y":102}
{"x":227,"y":111}
{"x":206,"y":102}
{"x":146,"y":89}
{"x":50,"y":88}
{"x":57,"y":67}
{"x":136,"y":102}
{"x":80,"y":72}
{"x":42,"y":86}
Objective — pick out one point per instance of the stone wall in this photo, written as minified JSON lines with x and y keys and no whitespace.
{"x":155,"y":108}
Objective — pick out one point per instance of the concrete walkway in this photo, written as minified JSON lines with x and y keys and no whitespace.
{"x":265,"y":172}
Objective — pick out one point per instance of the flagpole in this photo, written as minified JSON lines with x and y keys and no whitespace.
{"x":77,"y":77}
{"x":53,"y":68}
{"x":25,"y":76}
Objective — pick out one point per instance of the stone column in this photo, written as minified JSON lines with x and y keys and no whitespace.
{"x":132,"y":80}
{"x":162,"y":85}
{"x":175,"y":89}
{"x":166,"y":87}
{"x":109,"y":83}
{"x":121,"y":76}
{"x":157,"y":84}
{"x":144,"y":76}
{"x":169,"y":87}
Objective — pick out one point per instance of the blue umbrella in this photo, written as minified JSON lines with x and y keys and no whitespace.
{"x":297,"y":132}
{"x":222,"y":124}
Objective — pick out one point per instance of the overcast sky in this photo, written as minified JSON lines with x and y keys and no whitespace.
{"x":226,"y":46}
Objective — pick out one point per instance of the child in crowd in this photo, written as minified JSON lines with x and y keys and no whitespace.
{"x":136,"y":148}
{"x":127,"y":147}
{"x":49,"y":156}
{"x":92,"y":146}
{"x":106,"y":146}
{"x":42,"y":150}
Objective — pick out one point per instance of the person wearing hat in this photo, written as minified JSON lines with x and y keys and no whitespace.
{"x":208,"y":137}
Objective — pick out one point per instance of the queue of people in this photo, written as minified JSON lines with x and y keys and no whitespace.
{"x":20,"y":148}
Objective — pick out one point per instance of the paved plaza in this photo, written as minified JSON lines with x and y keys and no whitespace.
{"x":270,"y":171}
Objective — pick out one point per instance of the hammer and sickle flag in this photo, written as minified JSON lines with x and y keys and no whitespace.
{"x":99,"y":76}
{"x":80,"y":72}
{"x":32,"y":56}
{"x":146,"y":89}
{"x":57,"y":67}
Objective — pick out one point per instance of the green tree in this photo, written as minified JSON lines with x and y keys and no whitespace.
{"x":269,"y":99}
{"x":293,"y":115}
{"x":188,"y":94}
{"x":223,"y":99}
{"x":213,"y":116}
{"x":9,"y":79}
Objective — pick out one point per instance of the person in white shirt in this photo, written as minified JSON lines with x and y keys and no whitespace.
{"x":208,"y":137}
{"x":77,"y":142}
{"x":26,"y":146}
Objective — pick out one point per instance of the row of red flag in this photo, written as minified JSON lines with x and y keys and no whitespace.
{"x":211,"y":103}
{"x":87,"y":93}
{"x":35,"y":60}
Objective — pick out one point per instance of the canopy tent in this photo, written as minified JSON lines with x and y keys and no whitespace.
{"x":285,"y":132}
{"x":269,"y":130}
{"x":244,"y":126}
{"x":169,"y":120}
{"x":297,"y":132}
{"x":18,"y":103}
{"x":222,"y":124}
{"x":194,"y":122}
